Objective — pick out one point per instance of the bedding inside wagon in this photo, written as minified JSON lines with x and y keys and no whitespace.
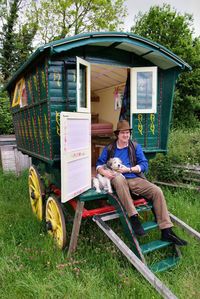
{"x":101,"y":129}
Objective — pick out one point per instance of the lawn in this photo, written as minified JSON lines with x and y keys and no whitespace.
{"x":31,"y":266}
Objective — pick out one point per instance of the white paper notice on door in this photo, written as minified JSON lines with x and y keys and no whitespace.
{"x":78,"y":134}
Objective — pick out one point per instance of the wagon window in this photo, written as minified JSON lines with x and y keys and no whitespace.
{"x":83,"y":85}
{"x":18,"y":92}
{"x":24,"y":98}
{"x":144,"y":90}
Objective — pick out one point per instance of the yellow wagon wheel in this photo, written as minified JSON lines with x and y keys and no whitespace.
{"x":55,"y":221}
{"x":35,"y":193}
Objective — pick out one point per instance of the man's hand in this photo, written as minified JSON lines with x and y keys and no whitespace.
{"x":123,"y":169}
{"x":136,"y":169}
{"x":106,"y":172}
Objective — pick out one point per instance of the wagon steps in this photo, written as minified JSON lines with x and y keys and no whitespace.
{"x":142,"y":250}
{"x":135,"y":261}
{"x":137,"y":254}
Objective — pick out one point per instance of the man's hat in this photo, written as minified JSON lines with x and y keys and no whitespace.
{"x":122,"y":125}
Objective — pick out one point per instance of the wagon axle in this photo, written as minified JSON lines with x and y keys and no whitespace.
{"x":49,"y":225}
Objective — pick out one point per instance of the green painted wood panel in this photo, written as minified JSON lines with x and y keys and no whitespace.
{"x":35,"y":85}
{"x":56,"y":80}
{"x":28,"y":83}
{"x":45,"y":130}
{"x":56,"y":107}
{"x":71,"y":88}
{"x":38,"y":128}
{"x":42,"y":74}
{"x":31,"y":147}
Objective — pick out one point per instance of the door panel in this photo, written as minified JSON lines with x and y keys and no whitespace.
{"x":75,"y":154}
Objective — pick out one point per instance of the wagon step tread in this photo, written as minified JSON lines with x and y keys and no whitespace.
{"x":154,"y":245}
{"x":91,"y":194}
{"x":149,"y":225}
{"x":165,"y":264}
{"x":142,"y":208}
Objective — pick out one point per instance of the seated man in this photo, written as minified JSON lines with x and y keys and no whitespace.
{"x":134,"y":166}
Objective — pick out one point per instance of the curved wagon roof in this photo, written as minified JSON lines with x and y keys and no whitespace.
{"x":147,"y":49}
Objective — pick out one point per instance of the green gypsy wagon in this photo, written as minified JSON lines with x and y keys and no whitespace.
{"x":65,"y":101}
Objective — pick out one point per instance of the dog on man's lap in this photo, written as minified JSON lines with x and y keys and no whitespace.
{"x":102,"y":182}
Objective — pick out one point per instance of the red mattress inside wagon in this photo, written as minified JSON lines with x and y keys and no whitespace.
{"x":101,"y":129}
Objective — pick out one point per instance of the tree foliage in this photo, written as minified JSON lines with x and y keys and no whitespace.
{"x":169,"y":28}
{"x":60,"y":18}
{"x":6,"y":125}
{"x":16,"y":38}
{"x":21,"y":20}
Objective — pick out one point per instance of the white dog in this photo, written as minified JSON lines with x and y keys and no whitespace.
{"x":100,"y":181}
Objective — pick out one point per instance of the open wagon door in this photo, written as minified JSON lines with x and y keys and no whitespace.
{"x":75,"y":154}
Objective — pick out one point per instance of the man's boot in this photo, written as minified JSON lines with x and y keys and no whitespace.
{"x":137,"y":226}
{"x":169,"y":236}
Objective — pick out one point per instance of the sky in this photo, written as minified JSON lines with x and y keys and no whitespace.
{"x":182,"y":6}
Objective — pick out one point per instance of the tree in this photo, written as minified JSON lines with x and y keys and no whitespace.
{"x":169,"y":28}
{"x":61,"y":18}
{"x":16,"y":39}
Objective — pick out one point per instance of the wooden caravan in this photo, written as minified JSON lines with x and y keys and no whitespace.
{"x":88,"y":73}
{"x":65,"y":102}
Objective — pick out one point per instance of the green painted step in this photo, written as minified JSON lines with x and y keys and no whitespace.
{"x":155,"y":245}
{"x":144,"y":208}
{"x":165,"y":264}
{"x":91,"y":194}
{"x":149,"y":225}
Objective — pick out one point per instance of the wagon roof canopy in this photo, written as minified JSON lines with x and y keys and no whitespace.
{"x":147,"y":49}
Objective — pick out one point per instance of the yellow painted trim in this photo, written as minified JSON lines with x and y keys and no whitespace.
{"x":18,"y":92}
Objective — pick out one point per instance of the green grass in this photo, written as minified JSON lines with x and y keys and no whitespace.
{"x":31,"y":266}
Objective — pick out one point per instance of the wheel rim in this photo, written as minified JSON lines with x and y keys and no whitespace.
{"x":35,"y":193}
{"x":56,"y":222}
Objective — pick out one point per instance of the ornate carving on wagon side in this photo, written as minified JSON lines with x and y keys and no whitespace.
{"x":56,"y":77}
{"x":46,"y":127}
{"x":43,"y":78}
{"x":58,"y":122}
{"x":152,"y":126}
{"x":39,"y":128}
{"x":34,"y":129}
{"x":140,"y":126}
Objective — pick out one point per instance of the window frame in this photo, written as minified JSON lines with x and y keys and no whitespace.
{"x":19,"y":85}
{"x":79,"y":62}
{"x":134,"y":89}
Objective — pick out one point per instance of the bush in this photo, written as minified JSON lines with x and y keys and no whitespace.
{"x":186,"y":111}
{"x":6,"y":124}
{"x":161,"y":169}
{"x":183,"y":149}
{"x":184,"y":146}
